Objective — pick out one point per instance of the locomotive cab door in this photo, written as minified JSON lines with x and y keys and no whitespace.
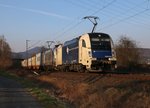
{"x":85,"y":51}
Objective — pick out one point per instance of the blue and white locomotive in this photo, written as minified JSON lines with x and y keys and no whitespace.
{"x":91,"y":51}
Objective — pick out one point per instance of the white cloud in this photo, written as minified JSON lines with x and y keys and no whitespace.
{"x":7,"y":6}
{"x":46,"y":13}
{"x":37,"y":11}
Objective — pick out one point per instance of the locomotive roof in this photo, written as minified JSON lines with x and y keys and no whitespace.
{"x":103,"y":35}
{"x":74,"y":40}
{"x":71,"y":41}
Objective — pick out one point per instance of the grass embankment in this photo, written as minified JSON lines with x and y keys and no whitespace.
{"x":35,"y":90}
{"x":101,"y":90}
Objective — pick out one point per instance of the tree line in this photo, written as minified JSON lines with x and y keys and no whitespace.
{"x":5,"y":53}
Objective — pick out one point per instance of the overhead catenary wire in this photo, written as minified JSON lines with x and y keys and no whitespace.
{"x":77,"y":4}
{"x":133,"y":22}
{"x":148,"y":4}
{"x":33,"y":45}
{"x":76,"y":25}
{"x":110,"y":3}
{"x":124,"y":13}
{"x":90,"y":6}
{"x":73,"y":26}
{"x":124,"y":19}
{"x":104,"y":7}
{"x":68,"y":26}
{"x":95,"y":2}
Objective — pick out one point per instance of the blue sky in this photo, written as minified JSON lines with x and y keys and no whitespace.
{"x":60,"y":20}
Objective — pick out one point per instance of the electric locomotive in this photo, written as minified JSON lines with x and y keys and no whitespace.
{"x":92,"y":52}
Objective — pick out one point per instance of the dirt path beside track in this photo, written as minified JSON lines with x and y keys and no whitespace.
{"x":13,"y":95}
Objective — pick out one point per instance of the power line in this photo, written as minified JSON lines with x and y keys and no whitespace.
{"x":90,"y":5}
{"x":124,"y":19}
{"x":94,"y":2}
{"x":85,"y":4}
{"x":76,"y":4}
{"x":29,"y":47}
{"x":148,"y":4}
{"x":72,"y":27}
{"x":136,"y":22}
{"x":67,"y":27}
{"x":110,"y":3}
{"x":105,"y":6}
{"x":125,"y":12}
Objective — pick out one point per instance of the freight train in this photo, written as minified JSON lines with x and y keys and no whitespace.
{"x":88,"y":52}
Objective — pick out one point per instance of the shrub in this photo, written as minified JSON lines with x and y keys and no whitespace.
{"x":128,"y":55}
{"x":5,"y":54}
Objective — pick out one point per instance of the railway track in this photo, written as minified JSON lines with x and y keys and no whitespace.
{"x":85,"y":77}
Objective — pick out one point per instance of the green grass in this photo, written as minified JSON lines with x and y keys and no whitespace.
{"x":48,"y":102}
{"x":35,"y":90}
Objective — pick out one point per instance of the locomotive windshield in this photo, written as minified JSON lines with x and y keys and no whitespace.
{"x":100,"y":41}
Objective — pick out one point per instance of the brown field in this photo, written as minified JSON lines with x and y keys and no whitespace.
{"x":92,"y":90}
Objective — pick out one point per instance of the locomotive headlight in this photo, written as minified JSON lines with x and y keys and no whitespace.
{"x":112,"y":59}
{"x":94,"y":58}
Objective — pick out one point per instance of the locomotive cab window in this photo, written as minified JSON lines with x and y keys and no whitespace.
{"x":100,"y":43}
{"x":83,"y":43}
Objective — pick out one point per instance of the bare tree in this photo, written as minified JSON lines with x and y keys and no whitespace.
{"x":128,"y":55}
{"x":5,"y":53}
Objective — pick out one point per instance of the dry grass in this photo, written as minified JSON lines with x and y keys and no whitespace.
{"x":101,"y":91}
{"x":98,"y":91}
